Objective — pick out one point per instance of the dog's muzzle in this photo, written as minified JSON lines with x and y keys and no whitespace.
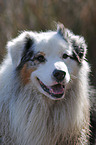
{"x":55,"y":91}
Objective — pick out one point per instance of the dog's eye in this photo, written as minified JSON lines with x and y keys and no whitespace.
{"x":40,"y":58}
{"x":65,"y":56}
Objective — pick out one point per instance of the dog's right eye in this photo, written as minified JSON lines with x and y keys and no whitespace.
{"x":40,"y":58}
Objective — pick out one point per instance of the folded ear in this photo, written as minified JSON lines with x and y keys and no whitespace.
{"x":18,"y":47}
{"x":79,"y":48}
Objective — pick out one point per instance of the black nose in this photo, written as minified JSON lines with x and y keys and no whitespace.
{"x":59,"y":75}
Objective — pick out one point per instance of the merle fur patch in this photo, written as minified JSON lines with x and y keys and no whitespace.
{"x":27,"y":53}
{"x":78,"y":51}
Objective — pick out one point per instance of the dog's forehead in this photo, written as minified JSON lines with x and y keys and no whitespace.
{"x":51,"y":42}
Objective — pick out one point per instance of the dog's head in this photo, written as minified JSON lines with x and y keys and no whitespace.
{"x":48,"y":60}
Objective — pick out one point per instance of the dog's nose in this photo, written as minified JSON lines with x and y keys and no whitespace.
{"x":59,"y":75}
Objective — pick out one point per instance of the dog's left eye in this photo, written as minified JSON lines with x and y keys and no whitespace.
{"x":65,"y":56}
{"x":40,"y":58}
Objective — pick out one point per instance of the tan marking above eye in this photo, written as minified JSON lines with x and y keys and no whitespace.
{"x":25,"y":74}
{"x":40,"y":53}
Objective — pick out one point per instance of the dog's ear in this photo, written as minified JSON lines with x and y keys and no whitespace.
{"x":77,"y":42}
{"x":61,"y":29}
{"x":79,"y":48}
{"x":18,"y":47}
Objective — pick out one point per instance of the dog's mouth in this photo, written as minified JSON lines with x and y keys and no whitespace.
{"x":56,"y":91}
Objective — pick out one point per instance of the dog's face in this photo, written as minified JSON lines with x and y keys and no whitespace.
{"x":48,"y":60}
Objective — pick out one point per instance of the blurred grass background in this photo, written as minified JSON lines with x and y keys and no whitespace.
{"x":77,"y":15}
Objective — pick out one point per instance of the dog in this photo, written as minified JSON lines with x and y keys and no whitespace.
{"x":44,"y":90}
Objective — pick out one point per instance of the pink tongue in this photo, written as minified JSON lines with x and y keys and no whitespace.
{"x":57,"y":89}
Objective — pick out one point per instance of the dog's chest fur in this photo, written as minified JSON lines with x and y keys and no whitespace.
{"x":47,"y":122}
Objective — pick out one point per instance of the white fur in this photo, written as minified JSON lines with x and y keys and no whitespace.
{"x":29,"y":115}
